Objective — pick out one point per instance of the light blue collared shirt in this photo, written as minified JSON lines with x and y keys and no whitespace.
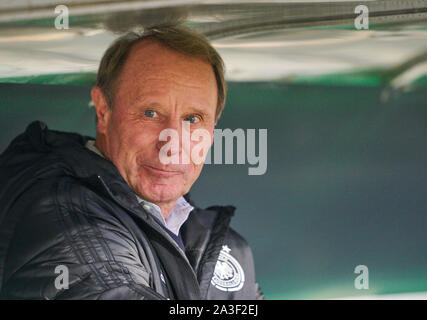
{"x":176,"y":217}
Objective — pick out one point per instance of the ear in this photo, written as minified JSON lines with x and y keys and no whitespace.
{"x":103,"y":112}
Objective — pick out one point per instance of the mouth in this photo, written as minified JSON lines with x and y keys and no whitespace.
{"x":161,"y":172}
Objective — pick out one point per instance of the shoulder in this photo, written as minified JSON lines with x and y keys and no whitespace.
{"x":65,"y":210}
{"x":237,"y":238}
{"x":239,"y":246}
{"x":63,"y":194}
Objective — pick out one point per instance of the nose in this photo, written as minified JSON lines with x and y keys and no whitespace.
{"x":169,"y":134}
{"x":176,"y":133}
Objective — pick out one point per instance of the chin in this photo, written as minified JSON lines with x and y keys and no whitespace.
{"x":160,"y":193}
{"x":158,"y":187}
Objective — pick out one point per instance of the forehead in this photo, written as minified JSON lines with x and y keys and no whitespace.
{"x":150,"y":61}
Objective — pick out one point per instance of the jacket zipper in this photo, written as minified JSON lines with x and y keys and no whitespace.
{"x":169,"y":240}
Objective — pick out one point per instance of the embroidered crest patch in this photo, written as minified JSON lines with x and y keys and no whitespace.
{"x":228,"y":274}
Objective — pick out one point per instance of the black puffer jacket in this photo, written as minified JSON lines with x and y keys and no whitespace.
{"x":63,"y":206}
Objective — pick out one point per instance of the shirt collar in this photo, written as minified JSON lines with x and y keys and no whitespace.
{"x":176,"y":217}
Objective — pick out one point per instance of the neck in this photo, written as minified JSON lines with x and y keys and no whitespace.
{"x":166,"y":208}
{"x":101,"y":145}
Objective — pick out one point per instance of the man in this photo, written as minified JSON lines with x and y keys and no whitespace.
{"x":109,"y":219}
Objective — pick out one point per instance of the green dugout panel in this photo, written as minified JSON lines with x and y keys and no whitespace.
{"x":345,"y":183}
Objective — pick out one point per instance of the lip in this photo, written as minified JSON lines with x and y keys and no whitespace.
{"x":165,"y":173}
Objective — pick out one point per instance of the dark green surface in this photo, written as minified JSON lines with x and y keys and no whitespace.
{"x":345,"y":183}
{"x":367,"y":78}
{"x":88,"y":78}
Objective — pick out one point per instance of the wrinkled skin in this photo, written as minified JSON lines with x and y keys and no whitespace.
{"x":158,"y":89}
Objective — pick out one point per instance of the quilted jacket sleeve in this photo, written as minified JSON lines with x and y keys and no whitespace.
{"x":61,"y":249}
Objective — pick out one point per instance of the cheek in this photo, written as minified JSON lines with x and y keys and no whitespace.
{"x":202,"y":140}
{"x":196,"y":170}
{"x":136,"y":135}
{"x":133,"y":144}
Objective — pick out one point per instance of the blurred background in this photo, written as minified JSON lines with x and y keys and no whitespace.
{"x":345,"y":111}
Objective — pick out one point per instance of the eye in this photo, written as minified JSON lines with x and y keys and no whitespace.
{"x":192,"y":119}
{"x":150,"y":113}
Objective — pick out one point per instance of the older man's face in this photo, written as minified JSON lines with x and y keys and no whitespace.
{"x":158,"y":89}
